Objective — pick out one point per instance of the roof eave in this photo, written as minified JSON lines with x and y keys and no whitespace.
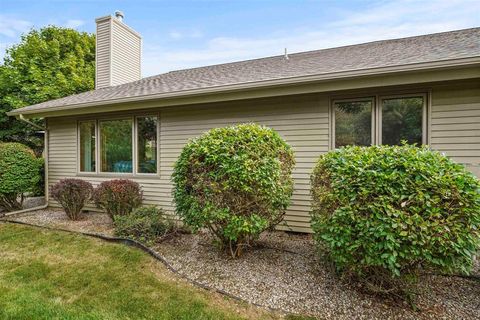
{"x":442,"y":64}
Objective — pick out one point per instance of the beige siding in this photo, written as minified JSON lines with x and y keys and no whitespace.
{"x":126,"y":54}
{"x":455,"y":123}
{"x":118,"y":53}
{"x":302,"y":121}
{"x":102,"y":58}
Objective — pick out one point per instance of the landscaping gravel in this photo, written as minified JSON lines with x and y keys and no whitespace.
{"x":283,"y":272}
{"x":89,"y":221}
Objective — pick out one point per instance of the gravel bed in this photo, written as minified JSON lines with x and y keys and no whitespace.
{"x":90,"y":221}
{"x":294,"y":280}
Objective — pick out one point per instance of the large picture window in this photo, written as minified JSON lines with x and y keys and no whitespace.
{"x":87,"y":137}
{"x":116,"y":146}
{"x":390,"y":121}
{"x":124,"y":145}
{"x":147,"y":131}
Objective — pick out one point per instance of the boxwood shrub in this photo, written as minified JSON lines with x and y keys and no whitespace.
{"x":72,"y":194}
{"x":19,"y":174}
{"x":234,"y":181}
{"x":382,"y":213}
{"x":118,"y":197}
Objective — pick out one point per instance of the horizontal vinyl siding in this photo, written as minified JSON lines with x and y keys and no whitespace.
{"x":126,"y":55}
{"x":102,"y":59}
{"x":455,"y":123}
{"x":302,"y":121}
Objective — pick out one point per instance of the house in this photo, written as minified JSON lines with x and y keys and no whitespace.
{"x":423,"y":89}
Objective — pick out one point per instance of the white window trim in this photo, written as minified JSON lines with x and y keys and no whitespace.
{"x":98,"y":164}
{"x":377,"y":114}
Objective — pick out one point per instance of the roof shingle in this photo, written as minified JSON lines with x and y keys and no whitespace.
{"x":387,"y":53}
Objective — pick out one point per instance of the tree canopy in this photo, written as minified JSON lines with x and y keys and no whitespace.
{"x":48,"y":63}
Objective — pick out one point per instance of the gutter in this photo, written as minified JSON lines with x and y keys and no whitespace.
{"x":452,"y":63}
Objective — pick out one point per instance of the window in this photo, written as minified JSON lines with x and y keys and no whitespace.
{"x":402,"y":120}
{"x":147,"y":131}
{"x":116,"y":146}
{"x":87,"y":146}
{"x":353,"y":122}
{"x":124,"y":146}
{"x":390,"y":121}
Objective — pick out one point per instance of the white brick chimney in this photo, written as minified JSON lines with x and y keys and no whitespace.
{"x":118,"y":52}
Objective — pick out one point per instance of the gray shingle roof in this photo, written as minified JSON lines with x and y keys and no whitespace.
{"x":388,"y":53}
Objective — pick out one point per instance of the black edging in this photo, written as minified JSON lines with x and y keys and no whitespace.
{"x":154,"y":254}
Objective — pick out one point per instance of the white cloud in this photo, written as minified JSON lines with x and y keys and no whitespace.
{"x":387,"y":19}
{"x":175,"y":35}
{"x":74,"y":23}
{"x":192,"y":34}
{"x":12,"y":27}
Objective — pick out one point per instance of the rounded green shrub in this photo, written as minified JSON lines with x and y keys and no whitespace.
{"x":234,"y":181}
{"x":383,"y":213}
{"x":19,"y":174}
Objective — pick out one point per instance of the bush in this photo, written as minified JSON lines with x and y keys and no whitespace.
{"x":145,"y":224}
{"x":384,"y":212}
{"x":235,"y":181}
{"x":72,"y":194}
{"x":118,"y":197}
{"x":19,"y":173}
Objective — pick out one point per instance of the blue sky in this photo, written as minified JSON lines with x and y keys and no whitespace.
{"x":183,"y":34}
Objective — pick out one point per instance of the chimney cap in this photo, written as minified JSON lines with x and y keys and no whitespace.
{"x":119,"y":15}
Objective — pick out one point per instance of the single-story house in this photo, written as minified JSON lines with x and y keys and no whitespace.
{"x":423,"y":89}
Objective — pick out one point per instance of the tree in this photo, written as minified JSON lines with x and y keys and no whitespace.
{"x":47,"y":64}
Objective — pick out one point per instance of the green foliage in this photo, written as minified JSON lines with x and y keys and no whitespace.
{"x":72,"y":194}
{"x":145,"y":224}
{"x":47,"y":64}
{"x":19,"y":173}
{"x":118,"y":197}
{"x":383,"y":212}
{"x":235,"y":181}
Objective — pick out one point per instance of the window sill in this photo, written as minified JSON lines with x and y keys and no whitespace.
{"x":153,"y":176}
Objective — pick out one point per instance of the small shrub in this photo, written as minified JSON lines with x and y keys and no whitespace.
{"x":39,"y":190}
{"x":72,"y":194}
{"x":19,"y":174}
{"x":118,"y":197}
{"x":145,"y":224}
{"x":235,"y":181}
{"x":383,"y":213}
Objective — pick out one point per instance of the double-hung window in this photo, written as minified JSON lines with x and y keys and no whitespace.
{"x":124,"y":145}
{"x":387,"y":120}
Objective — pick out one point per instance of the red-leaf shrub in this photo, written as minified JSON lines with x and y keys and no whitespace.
{"x":118,"y":197}
{"x":72,"y":194}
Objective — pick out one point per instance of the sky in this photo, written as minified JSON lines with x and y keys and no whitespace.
{"x":184,"y":34}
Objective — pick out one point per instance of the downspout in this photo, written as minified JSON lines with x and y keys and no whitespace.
{"x":45,"y":156}
{"x":22,"y":118}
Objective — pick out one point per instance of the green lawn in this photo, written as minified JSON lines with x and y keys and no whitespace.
{"x":57,"y":275}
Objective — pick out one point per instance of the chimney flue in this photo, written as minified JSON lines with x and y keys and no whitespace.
{"x":119,"y":15}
